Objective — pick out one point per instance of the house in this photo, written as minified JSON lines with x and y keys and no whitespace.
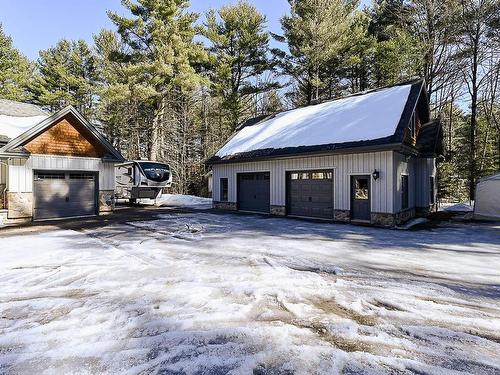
{"x":365,"y":158}
{"x":53,"y":166}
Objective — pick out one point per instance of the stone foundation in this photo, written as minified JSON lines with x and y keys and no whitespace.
{"x":404,"y":216}
{"x":342,"y":215}
{"x":106,"y":201}
{"x":226,"y":206}
{"x":278,"y":210}
{"x":382,"y":219}
{"x":20,"y":205}
{"x":425,"y":211}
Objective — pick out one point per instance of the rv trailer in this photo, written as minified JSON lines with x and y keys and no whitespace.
{"x":138,"y":179}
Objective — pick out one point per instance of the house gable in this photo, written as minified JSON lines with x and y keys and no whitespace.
{"x":66,"y":137}
{"x":65,"y":133}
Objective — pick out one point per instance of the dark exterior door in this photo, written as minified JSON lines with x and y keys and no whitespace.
{"x":360,"y":198}
{"x":63,"y":194}
{"x":310,"y":194}
{"x":254,"y":191}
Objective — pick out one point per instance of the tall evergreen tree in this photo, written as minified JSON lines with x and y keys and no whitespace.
{"x":163,"y":53}
{"x":16,"y":71}
{"x":67,"y":75}
{"x":316,"y":32}
{"x":239,"y":46}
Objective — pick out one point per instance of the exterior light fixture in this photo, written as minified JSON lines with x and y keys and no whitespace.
{"x":376,"y":175}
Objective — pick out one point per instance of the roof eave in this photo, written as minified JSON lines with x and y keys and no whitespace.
{"x":346,"y":150}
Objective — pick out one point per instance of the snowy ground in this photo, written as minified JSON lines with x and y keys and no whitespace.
{"x":207,"y":293}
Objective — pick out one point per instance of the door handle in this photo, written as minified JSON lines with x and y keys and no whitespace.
{"x":310,"y":199}
{"x":255,"y":197}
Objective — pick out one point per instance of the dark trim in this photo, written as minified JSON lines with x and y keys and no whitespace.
{"x":293,"y":152}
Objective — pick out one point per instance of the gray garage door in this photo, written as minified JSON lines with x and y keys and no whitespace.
{"x":63,"y":194}
{"x":310,"y":194}
{"x":254,"y":192}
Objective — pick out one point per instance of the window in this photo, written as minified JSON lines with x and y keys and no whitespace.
{"x":361,"y":189}
{"x":49,"y":176}
{"x":412,"y":125}
{"x":404,"y":192}
{"x":81,"y":176}
{"x":431,"y":189}
{"x":321,"y":175}
{"x":223,"y":190}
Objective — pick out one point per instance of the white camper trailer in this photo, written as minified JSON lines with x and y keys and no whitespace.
{"x":141,"y":179}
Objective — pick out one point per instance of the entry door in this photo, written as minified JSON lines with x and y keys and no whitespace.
{"x":254,"y":192}
{"x":360,"y":198}
{"x":63,"y":194}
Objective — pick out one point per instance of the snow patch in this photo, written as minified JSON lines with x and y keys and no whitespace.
{"x":361,"y":117}
{"x":459,"y":207}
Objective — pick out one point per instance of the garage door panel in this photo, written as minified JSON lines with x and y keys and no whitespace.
{"x":63,"y":194}
{"x":310,"y":194}
{"x":254,"y":192}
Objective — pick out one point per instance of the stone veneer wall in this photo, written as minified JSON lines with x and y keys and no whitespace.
{"x":404,"y":216}
{"x":278,"y":210}
{"x":227,"y":206}
{"x":20,"y":205}
{"x":106,"y":200}
{"x":382,"y":219}
{"x":342,"y":215}
{"x":2,"y":203}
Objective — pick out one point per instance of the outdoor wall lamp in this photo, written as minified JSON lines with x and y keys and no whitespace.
{"x":376,"y":175}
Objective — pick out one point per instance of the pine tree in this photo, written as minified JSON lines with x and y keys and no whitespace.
{"x":239,"y":46}
{"x":16,"y":71}
{"x":163,"y":53}
{"x":317,"y":32}
{"x":67,"y":75}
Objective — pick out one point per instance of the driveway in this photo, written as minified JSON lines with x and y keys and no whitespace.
{"x":172,"y":291}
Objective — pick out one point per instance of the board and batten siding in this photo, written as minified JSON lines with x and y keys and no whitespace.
{"x":343,"y":165}
{"x":21,"y":170}
{"x":419,"y":171}
{"x":3,"y":172}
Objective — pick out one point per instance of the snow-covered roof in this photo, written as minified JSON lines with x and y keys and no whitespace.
{"x":367,"y":116}
{"x":16,"y":117}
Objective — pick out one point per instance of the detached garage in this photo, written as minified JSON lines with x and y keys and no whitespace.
{"x":53,"y":166}
{"x":367,"y":158}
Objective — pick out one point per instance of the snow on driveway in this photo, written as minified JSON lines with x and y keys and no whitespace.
{"x":206,"y":293}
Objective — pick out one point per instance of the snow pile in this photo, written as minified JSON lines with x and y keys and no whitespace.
{"x":14,"y":126}
{"x":356,"y":118}
{"x":204,"y":293}
{"x":179,"y":200}
{"x":458,"y":207}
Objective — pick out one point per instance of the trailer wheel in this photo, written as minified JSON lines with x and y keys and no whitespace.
{"x":132,"y":201}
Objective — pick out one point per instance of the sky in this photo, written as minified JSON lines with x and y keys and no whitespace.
{"x":39,"y":24}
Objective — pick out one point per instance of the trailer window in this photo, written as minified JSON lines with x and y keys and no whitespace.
{"x":156,"y":172}
{"x":223,"y":190}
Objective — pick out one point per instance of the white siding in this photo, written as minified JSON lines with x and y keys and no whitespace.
{"x":21,"y":170}
{"x":3,"y":172}
{"x":419,"y":170}
{"x":343,"y":166}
